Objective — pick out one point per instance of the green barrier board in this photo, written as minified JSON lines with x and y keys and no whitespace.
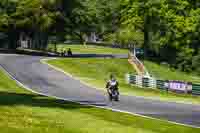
{"x":132,"y":79}
{"x":196,"y":89}
{"x":160,"y":84}
{"x":145,"y":82}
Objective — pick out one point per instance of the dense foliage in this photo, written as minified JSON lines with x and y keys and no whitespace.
{"x":40,"y":19}
{"x":168,"y":29}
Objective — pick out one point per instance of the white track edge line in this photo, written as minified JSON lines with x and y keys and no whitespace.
{"x":115,"y":110}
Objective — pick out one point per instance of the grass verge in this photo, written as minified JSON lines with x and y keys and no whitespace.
{"x":96,"y":71}
{"x":165,"y":73}
{"x":89,"y":49}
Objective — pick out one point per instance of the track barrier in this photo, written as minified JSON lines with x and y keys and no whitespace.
{"x":165,"y":85}
{"x":196,"y":89}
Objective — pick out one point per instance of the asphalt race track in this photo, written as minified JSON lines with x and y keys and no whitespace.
{"x":43,"y":79}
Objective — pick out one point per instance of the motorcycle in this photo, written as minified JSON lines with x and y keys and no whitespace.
{"x":113,"y":94}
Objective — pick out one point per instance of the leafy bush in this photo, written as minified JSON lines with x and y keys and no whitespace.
{"x":196,"y":63}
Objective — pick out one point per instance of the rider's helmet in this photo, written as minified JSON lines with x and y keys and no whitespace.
{"x":112,"y":81}
{"x":112,"y":77}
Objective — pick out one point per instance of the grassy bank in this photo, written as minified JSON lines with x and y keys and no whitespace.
{"x":165,"y":73}
{"x":24,"y":112}
{"x":96,"y":71}
{"x":89,"y":49}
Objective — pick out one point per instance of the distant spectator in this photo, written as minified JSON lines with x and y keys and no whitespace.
{"x":64,"y":53}
{"x":69,"y":52}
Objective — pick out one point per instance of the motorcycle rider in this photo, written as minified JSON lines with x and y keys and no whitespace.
{"x":112,"y":84}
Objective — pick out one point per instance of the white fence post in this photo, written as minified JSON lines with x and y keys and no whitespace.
{"x":152,"y":82}
{"x":139,"y":80}
{"x":127,"y":78}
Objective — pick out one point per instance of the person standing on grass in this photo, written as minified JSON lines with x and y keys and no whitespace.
{"x":69,"y":52}
{"x":64,"y":53}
